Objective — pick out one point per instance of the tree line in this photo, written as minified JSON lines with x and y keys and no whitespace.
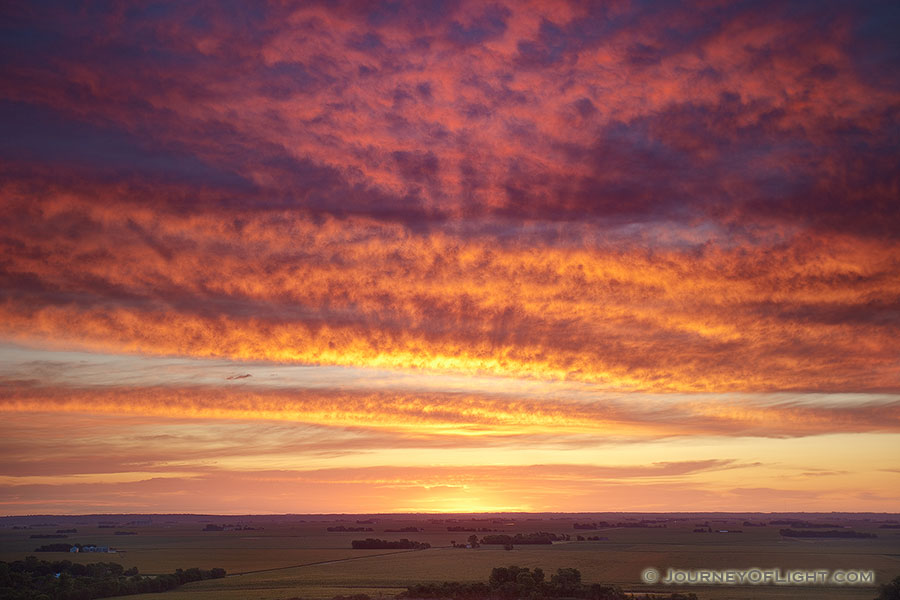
{"x":540,"y":537}
{"x":33,"y":579}
{"x":838,"y":533}
{"x":510,"y":583}
{"x":379,"y":544}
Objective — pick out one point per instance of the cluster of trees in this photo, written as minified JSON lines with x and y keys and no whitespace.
{"x":590,"y":538}
{"x":646,"y":523}
{"x":379,"y":544}
{"x":710,"y":530}
{"x":508,"y":541}
{"x":806,"y":524}
{"x":31,"y":579}
{"x":540,"y":537}
{"x":846,"y":533}
{"x":598,"y":525}
{"x":214,"y":527}
{"x":467,"y":529}
{"x":655,"y":523}
{"x":344,"y":528}
{"x":54,"y":548}
{"x":889,"y":591}
{"x":403,"y":530}
{"x":60,"y":547}
{"x":508,"y":583}
{"x":472,"y":542}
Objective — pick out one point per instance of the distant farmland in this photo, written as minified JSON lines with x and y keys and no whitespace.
{"x":275,"y":558}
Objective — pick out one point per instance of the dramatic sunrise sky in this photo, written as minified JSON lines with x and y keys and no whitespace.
{"x":449,"y":256}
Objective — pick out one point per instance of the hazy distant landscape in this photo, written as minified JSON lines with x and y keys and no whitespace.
{"x":287,"y":556}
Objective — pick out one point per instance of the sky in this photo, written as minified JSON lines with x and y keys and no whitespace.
{"x":449,"y":256}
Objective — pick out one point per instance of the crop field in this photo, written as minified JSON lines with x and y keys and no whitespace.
{"x":296,"y":557}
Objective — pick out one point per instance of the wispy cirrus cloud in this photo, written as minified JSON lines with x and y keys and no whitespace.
{"x":459,"y":414}
{"x":656,"y":487}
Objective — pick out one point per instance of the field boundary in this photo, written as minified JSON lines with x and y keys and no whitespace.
{"x":328,"y":562}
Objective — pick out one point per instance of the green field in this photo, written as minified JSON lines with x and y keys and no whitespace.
{"x":289,"y":558}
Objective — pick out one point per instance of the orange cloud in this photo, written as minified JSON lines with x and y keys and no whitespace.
{"x":630,"y":225}
{"x":283,"y":288}
{"x":430,"y":414}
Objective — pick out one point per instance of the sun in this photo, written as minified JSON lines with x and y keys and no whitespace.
{"x":465,"y":504}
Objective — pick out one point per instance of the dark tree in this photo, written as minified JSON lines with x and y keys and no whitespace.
{"x":889,"y":591}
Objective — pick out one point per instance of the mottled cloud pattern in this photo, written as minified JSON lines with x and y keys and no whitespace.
{"x":653,"y":199}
